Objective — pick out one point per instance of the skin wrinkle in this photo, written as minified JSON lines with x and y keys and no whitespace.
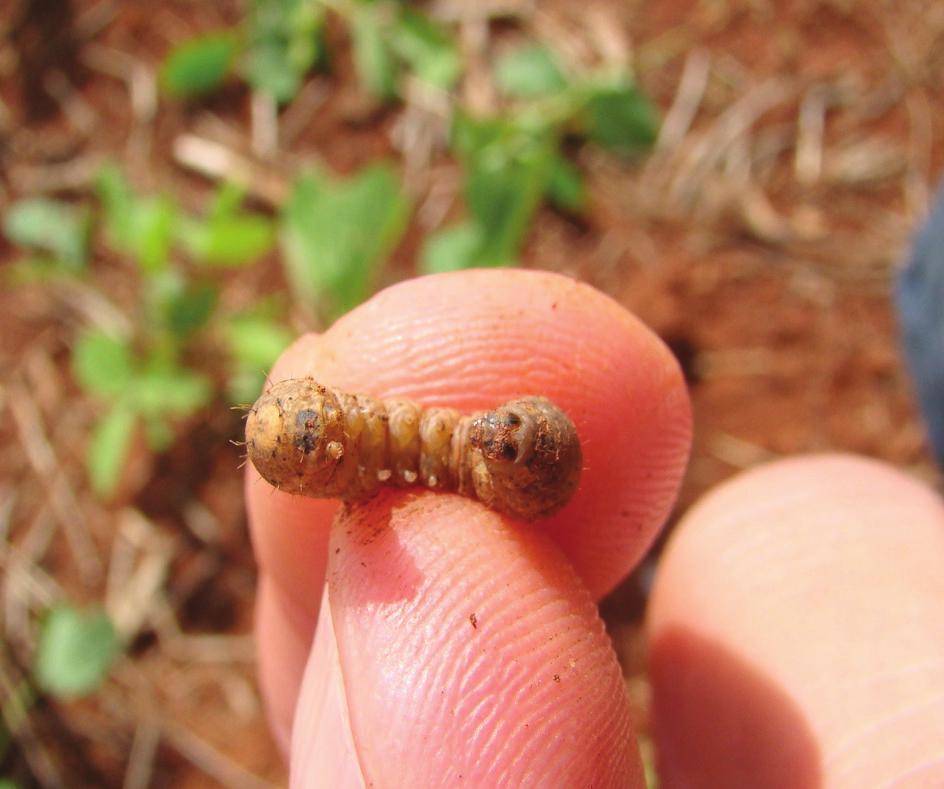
{"x":915,"y":772}
{"x":532,"y":610}
{"x":875,"y":727}
{"x":535,"y":701}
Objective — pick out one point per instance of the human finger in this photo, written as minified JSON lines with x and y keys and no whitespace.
{"x":796,"y":631}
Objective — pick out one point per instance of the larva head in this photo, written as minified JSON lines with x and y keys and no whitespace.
{"x":295,"y":437}
{"x":526,"y":458}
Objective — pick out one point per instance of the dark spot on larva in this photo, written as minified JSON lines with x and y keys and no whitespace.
{"x":474,"y":621}
{"x":307,"y":419}
{"x":307,"y":422}
{"x":557,"y":677}
{"x":508,"y":450}
{"x":512,"y":420}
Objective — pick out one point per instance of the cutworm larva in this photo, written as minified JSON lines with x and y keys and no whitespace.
{"x":523,"y":458}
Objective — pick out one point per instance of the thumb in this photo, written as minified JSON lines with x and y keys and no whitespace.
{"x":456,"y":647}
{"x":796,"y":631}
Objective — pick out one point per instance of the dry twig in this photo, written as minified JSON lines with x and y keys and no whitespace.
{"x":63,"y":501}
{"x":210,"y":760}
{"x":217,"y":161}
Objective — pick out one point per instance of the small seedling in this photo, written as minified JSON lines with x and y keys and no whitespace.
{"x":337,"y":232}
{"x":279,"y":43}
{"x":391,"y":38}
{"x":284,"y":40}
{"x":514,"y":161}
{"x":200,"y":65}
{"x":145,"y":390}
{"x":75,"y":651}
{"x":56,"y":234}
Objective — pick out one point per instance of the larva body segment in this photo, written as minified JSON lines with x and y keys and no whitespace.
{"x":522,"y":459}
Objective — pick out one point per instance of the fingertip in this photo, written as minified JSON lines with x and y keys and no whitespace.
{"x":323,"y":750}
{"x":796,"y":618}
{"x":290,"y":538}
{"x":483,"y":337}
{"x":471,"y":652}
{"x":283,"y":638}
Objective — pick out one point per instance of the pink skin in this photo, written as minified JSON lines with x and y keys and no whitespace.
{"x":401,"y":688}
{"x":797,"y":631}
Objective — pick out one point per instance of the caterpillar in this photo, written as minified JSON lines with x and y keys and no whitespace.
{"x":522,"y":458}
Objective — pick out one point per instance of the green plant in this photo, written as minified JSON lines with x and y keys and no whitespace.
{"x":285,"y":40}
{"x":75,"y":651}
{"x":181,"y":347}
{"x":514,"y":161}
{"x":158,"y":374}
{"x":280,"y":41}
{"x":150,"y":388}
{"x":337,"y":232}
{"x":56,"y":235}
{"x":390,"y":37}
{"x":507,"y":164}
{"x":200,"y":65}
{"x":254,"y":340}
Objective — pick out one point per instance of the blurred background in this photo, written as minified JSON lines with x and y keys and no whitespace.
{"x":185,"y":186}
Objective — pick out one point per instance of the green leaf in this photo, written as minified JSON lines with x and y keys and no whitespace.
{"x":336,"y":233}
{"x":452,"y":248}
{"x":200,"y":65}
{"x":621,"y":118}
{"x":159,"y":433}
{"x":267,"y":70}
{"x":427,"y":48}
{"x":154,"y":221}
{"x":142,"y":227}
{"x":373,"y":60}
{"x":8,"y":783}
{"x":75,"y":651}
{"x":51,"y":226}
{"x":566,"y":188}
{"x":118,"y":201}
{"x":286,"y":38}
{"x":228,"y":241}
{"x":102,"y":364}
{"x":228,"y":236}
{"x":164,"y":389}
{"x":255,"y":341}
{"x":507,"y":176}
{"x":189,"y":309}
{"x":470,"y":136}
{"x":108,"y":449}
{"x":529,"y":72}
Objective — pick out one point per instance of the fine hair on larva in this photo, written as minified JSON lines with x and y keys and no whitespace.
{"x":522,"y":458}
